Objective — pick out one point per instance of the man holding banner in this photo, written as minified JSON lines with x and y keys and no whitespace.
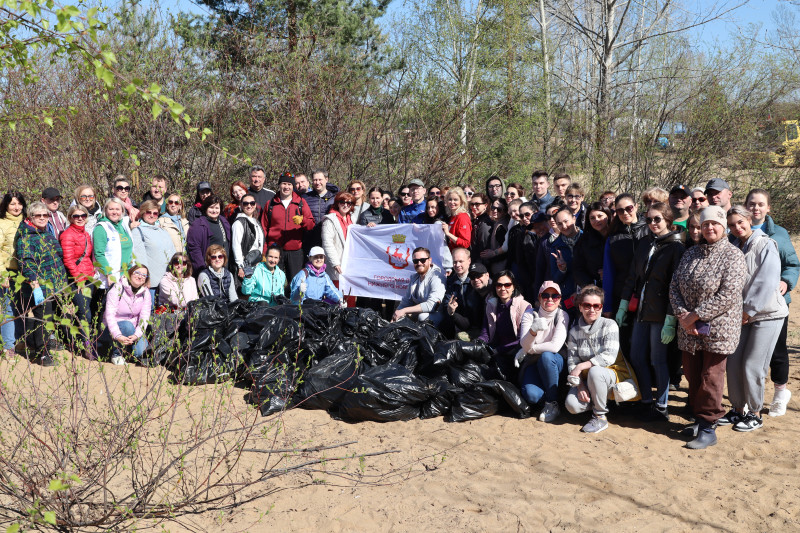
{"x":425,"y":289}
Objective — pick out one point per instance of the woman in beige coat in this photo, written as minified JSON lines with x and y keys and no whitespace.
{"x":175,"y":222}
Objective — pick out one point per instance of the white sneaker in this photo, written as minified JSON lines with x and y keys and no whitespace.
{"x":779,"y":402}
{"x":118,"y":360}
{"x":550,"y":412}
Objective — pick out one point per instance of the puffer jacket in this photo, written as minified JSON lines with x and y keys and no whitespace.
{"x":176,"y":293}
{"x":318,"y":287}
{"x":122,"y":303}
{"x":333,"y":243}
{"x":375,"y":215}
{"x":39,"y":256}
{"x":762,"y":299}
{"x":587,"y":258}
{"x":790,"y":264}
{"x":263,"y":285}
{"x":617,"y":260}
{"x":152,"y":246}
{"x":320,"y":205}
{"x":650,"y":277}
{"x":76,"y":244}
{"x":8,"y":231}
{"x":709,"y":281}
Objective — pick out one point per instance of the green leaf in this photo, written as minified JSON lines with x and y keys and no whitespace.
{"x":13,"y":528}
{"x":12,"y":125}
{"x":48,"y":121}
{"x":157,"y":109}
{"x":49,"y":517}
{"x":109,"y":57}
{"x":130,"y":88}
{"x":56,"y":485}
{"x":154,"y":88}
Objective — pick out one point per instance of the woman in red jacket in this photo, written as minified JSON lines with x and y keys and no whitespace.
{"x":76,"y":244}
{"x":458,"y":231}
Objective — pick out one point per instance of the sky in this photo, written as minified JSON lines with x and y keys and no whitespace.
{"x":718,"y":31}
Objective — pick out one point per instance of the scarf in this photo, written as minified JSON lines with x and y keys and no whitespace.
{"x":177,"y":220}
{"x":343,"y":222}
{"x":55,"y":221}
{"x":132,"y":211}
{"x":570,"y":241}
{"x":314,"y":270}
{"x":14,"y":218}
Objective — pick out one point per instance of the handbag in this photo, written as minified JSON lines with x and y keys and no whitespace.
{"x":627,"y":387}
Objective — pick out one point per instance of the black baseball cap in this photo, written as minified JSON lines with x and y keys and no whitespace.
{"x":680,"y":189}
{"x":51,"y":193}
{"x":477,"y":270}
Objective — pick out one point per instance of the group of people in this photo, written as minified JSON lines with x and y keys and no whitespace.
{"x":559,"y":287}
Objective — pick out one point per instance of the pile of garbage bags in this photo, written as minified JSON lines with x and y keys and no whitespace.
{"x":349,"y":362}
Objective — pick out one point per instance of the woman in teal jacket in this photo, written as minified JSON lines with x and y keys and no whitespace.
{"x":757,"y":203}
{"x":268,"y":281}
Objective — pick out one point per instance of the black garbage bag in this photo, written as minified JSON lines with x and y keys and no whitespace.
{"x":208,"y":313}
{"x":387,"y":393}
{"x":326,"y":382}
{"x":208,"y":368}
{"x":275,"y":382}
{"x":439,"y":405}
{"x":468,"y":374}
{"x":446,"y":353}
{"x":510,"y":394}
{"x":277,"y":333}
{"x":166,"y":343}
{"x":472,"y":404}
{"x":477,"y":351}
{"x":319,"y":318}
{"x":360,"y":323}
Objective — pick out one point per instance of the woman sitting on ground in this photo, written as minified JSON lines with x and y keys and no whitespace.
{"x":313,"y":282}
{"x":542,"y":335}
{"x":268,"y":280}
{"x":592,"y":346}
{"x":177,"y":287}
{"x":216,"y":280}
{"x":127,"y":312}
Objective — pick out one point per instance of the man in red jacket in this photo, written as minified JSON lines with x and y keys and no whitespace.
{"x":286,"y":219}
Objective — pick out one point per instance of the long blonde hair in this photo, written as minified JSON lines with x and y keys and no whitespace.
{"x":458,"y":191}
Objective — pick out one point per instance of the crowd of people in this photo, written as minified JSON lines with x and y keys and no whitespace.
{"x":682,"y":283}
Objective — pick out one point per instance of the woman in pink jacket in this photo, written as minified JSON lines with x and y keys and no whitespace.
{"x":127,"y":313}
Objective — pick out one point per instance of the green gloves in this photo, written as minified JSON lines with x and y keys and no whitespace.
{"x":668,"y":331}
{"x":622,"y":312}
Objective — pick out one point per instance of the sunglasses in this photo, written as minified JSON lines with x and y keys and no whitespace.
{"x":698,"y":199}
{"x":526,"y":215}
{"x":152,"y":213}
{"x":503,"y":285}
{"x":346,"y":203}
{"x":217,"y":256}
{"x":405,"y":194}
{"x":436,"y":193}
{"x":596,"y":307}
{"x":139,"y":275}
{"x":510,"y":193}
{"x":174,"y":202}
{"x":549,"y":217}
{"x":628,"y":209}
{"x":476,"y":204}
{"x":420,"y":260}
{"x":498,"y":208}
{"x":550,"y":296}
{"x":354,"y":189}
{"x":248,"y":204}
{"x":87,"y":196}
{"x":40,"y":216}
{"x":80,"y":216}
{"x":178,"y":262}
{"x":656,"y":219}
{"x":123,"y":187}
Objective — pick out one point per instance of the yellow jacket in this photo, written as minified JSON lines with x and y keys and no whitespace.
{"x":8,"y":230}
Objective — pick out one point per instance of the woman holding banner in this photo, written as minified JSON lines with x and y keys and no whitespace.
{"x":334,"y":233}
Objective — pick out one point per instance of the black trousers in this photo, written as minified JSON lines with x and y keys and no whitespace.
{"x":35,"y":333}
{"x":291,"y":263}
{"x":779,"y":364}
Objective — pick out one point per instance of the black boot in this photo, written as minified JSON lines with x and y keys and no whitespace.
{"x":706,"y":436}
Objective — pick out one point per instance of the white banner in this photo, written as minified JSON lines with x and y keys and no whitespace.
{"x":377,"y":261}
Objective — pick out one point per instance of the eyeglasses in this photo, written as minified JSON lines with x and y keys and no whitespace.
{"x":354,"y":189}
{"x":216,"y":256}
{"x":503,"y":285}
{"x":87,"y":196}
{"x":80,"y":216}
{"x":627,"y":209}
{"x":550,"y":296}
{"x":139,"y":275}
{"x":549,"y":217}
{"x":248,"y":204}
{"x":405,"y":194}
{"x":420,"y":260}
{"x":476,"y":204}
{"x":178,"y":262}
{"x":526,"y":215}
{"x":346,"y":203}
{"x":496,"y":186}
{"x":596,"y":307}
{"x":656,"y":219}
{"x":574,"y":196}
{"x":40,"y":215}
{"x":174,"y":202}
{"x":123,"y":187}
{"x":152,"y":213}
{"x":498,"y":208}
{"x":698,"y":199}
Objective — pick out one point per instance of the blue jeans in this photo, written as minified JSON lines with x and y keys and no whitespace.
{"x":127,"y":328}
{"x":646,"y":350}
{"x":540,"y":380}
{"x":8,"y":329}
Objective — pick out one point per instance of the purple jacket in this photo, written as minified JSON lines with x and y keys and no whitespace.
{"x":123,"y":304}
{"x":198,"y":239}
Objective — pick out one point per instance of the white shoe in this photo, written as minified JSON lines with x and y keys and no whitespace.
{"x":118,"y":360}
{"x":779,"y":402}
{"x":550,"y":412}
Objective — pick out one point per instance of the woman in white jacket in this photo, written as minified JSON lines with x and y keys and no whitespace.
{"x":334,"y":233}
{"x":246,"y":234}
{"x":543,"y":333}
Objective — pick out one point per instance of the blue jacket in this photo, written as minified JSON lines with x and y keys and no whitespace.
{"x":410,"y":212}
{"x":790,"y":264}
{"x":543,"y":202}
{"x":319,"y":205}
{"x":263,"y":285}
{"x":566,"y":279}
{"x":153,"y":246}
{"x":317,"y":287}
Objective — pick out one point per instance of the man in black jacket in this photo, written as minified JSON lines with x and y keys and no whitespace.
{"x":462,"y":309}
